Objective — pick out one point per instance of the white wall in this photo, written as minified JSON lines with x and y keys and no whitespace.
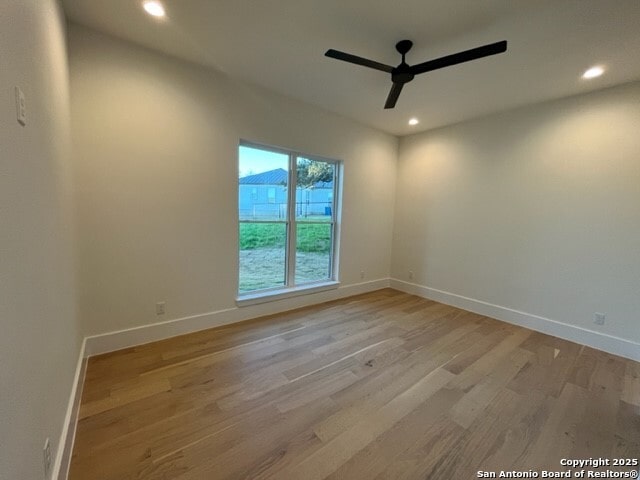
{"x":39,"y":336}
{"x":536,"y":209}
{"x":155,"y":151}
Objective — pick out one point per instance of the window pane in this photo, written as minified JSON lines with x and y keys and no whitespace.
{"x":313,"y":252}
{"x":262,"y":256}
{"x":262,"y":189}
{"x":314,"y":191}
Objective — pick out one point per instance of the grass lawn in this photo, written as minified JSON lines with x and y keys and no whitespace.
{"x":262,"y":254}
{"x":311,"y":237}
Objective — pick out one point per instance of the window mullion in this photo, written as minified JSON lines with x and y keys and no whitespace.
{"x":334,"y":221}
{"x":291,"y":224}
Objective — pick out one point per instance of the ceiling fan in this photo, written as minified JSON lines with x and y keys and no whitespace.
{"x":404,"y":73}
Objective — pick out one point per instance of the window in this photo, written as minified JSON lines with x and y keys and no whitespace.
{"x":287,"y":211}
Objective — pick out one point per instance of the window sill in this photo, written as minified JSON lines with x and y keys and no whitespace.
{"x":273,"y":295}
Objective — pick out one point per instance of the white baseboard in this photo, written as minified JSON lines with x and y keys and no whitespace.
{"x":67,"y":436}
{"x":601,"y":341}
{"x":131,"y":337}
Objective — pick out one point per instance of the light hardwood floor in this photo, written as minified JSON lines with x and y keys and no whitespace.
{"x":379,"y":386}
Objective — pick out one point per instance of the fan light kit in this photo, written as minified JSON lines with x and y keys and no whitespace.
{"x":154,"y":8}
{"x":593,"y":72}
{"x":404,"y":73}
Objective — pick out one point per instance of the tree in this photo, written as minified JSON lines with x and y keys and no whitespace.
{"x":310,"y":172}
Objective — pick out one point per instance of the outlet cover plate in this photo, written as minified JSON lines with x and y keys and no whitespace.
{"x":160,"y":308}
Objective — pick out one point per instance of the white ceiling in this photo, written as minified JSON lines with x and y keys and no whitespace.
{"x":280,"y":45}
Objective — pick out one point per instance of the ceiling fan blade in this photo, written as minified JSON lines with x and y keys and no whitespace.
{"x":393,"y":95}
{"x":347,"y":57}
{"x":461,"y":57}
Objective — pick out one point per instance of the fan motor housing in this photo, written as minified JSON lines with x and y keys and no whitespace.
{"x":402,"y":74}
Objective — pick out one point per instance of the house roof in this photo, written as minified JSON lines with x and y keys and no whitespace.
{"x":275,"y":177}
{"x":272,"y":177}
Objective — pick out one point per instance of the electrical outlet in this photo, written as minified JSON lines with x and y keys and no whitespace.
{"x":46,"y":458}
{"x":160,"y":308}
{"x":599,"y":318}
{"x":361,"y":274}
{"x":410,"y":274}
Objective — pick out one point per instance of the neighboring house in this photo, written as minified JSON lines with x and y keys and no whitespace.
{"x":264,"y":195}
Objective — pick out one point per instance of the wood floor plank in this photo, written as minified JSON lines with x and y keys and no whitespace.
{"x":522,"y":417}
{"x":559,"y":433}
{"x":366,"y":398}
{"x":480,"y":396}
{"x":383,"y":385}
{"x":243,"y":457}
{"x":337,"y":451}
{"x":393,"y":450}
{"x":631,"y":392}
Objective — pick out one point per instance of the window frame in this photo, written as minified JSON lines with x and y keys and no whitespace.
{"x":290,"y":288}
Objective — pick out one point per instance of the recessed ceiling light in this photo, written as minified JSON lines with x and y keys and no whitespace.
{"x":593,"y":72}
{"x":414,"y":121}
{"x":154,"y":8}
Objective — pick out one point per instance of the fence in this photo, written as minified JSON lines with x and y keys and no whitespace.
{"x":271,"y":211}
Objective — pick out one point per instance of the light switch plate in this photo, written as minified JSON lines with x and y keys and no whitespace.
{"x":46,"y":452}
{"x":21,"y":107}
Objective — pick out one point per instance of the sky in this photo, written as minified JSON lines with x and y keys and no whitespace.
{"x":254,"y":161}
